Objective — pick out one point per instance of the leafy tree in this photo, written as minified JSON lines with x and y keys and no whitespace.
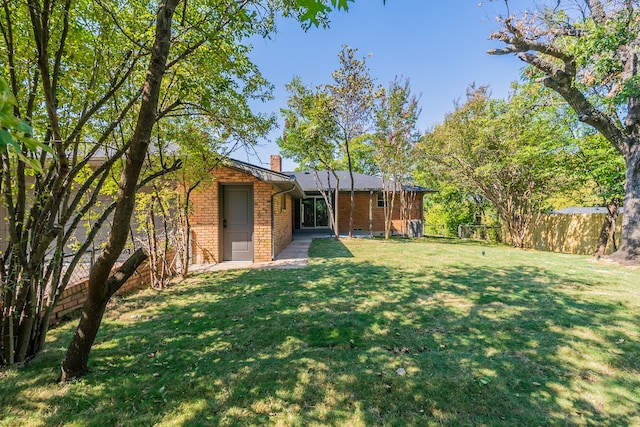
{"x":486,"y":147}
{"x":352,"y":97}
{"x":310,"y":139}
{"x":95,"y":79}
{"x":16,"y":134}
{"x":315,"y":12}
{"x":396,"y":134}
{"x":452,"y":205}
{"x":591,"y":59}
{"x":362,"y":156}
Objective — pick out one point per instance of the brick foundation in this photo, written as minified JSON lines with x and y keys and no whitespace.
{"x":74,"y":296}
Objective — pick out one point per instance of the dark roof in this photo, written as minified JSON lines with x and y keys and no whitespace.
{"x":583,"y":210}
{"x":281,"y":180}
{"x":362,"y":182}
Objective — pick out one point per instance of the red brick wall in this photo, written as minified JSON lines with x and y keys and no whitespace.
{"x":206,"y":217}
{"x":283,"y":222}
{"x":74,"y":296}
{"x":361,"y":213}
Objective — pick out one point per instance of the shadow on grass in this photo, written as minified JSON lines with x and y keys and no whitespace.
{"x":329,"y":248}
{"x":323,"y":345}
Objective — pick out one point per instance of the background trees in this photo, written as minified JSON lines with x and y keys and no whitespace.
{"x":326,"y":128}
{"x":486,"y":147}
{"x":591,"y":58}
{"x":310,"y":138}
{"x":352,"y":95}
{"x":394,"y":140}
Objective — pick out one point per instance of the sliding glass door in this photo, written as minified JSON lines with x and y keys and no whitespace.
{"x":314,"y":213}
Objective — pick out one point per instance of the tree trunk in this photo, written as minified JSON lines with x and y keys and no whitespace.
{"x":336,"y":229}
{"x":101,"y":286}
{"x":608,"y":228}
{"x":185,"y":227}
{"x":75,"y":363}
{"x":153,"y":247}
{"x":353,"y":205}
{"x":353,"y":197}
{"x":26,"y":323}
{"x":630,"y":238}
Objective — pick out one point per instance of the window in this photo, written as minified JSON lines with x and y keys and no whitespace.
{"x":380,"y":200}
{"x":283,"y":202}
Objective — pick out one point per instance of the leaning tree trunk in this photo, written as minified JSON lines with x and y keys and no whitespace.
{"x":101,"y":286}
{"x":75,"y":363}
{"x":608,"y":228}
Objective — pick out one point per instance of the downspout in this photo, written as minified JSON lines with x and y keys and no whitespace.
{"x":273,"y":219}
{"x":370,"y":213}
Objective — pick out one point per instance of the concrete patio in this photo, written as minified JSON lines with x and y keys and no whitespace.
{"x":295,"y":255}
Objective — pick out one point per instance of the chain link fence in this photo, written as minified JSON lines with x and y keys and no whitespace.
{"x":435,"y":230}
{"x":479,"y":232}
{"x":82,"y":269}
{"x":84,"y":266}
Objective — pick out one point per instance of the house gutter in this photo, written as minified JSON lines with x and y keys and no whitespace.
{"x":273,"y":218}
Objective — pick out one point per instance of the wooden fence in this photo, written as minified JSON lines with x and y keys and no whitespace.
{"x":575,"y":233}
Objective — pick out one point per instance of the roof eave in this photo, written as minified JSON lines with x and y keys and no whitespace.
{"x":296,"y":192}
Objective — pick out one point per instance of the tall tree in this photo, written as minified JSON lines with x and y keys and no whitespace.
{"x":309,"y":138}
{"x":487,"y":147}
{"x":396,"y":135}
{"x":352,"y":94}
{"x":77,"y":70}
{"x":591,"y":57}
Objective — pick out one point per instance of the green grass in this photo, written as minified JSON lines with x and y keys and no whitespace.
{"x":505,"y":338}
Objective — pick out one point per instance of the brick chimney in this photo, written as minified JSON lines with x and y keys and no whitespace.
{"x":276,"y":163}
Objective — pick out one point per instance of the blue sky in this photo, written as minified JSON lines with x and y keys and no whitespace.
{"x":439,"y":45}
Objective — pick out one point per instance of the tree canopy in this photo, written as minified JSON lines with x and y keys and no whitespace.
{"x":588,"y":52}
{"x":487,"y":148}
{"x":95,"y":81}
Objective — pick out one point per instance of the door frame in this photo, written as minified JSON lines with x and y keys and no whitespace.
{"x":221,"y":215}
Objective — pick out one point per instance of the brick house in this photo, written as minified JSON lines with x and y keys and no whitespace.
{"x":250,"y":213}
{"x":311,"y":212}
{"x":246,"y":215}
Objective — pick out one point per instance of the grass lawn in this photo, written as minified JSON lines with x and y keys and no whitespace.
{"x":417,"y":332}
